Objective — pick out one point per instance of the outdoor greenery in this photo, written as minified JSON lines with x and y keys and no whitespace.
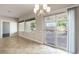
{"x":32,"y":26}
{"x":62,"y":22}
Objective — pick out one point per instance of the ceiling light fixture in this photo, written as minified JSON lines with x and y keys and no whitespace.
{"x":41,"y":9}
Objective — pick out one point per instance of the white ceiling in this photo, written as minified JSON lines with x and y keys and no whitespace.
{"x":17,"y":10}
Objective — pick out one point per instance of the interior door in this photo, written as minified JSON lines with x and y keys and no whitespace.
{"x":6,"y":29}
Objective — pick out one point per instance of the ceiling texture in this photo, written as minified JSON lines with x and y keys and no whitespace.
{"x":17,"y":10}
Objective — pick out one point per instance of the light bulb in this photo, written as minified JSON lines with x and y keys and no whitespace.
{"x":37,"y":6}
{"x":45,"y":6}
{"x":35,"y":10}
{"x":41,"y":11}
{"x":48,"y":9}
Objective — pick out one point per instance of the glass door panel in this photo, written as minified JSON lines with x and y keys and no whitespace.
{"x":61,"y":20}
{"x":50,"y":27}
{"x":56,"y":30}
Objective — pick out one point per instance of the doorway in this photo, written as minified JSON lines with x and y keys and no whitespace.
{"x":6,"y":29}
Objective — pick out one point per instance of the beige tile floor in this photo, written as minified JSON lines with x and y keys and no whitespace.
{"x":18,"y":45}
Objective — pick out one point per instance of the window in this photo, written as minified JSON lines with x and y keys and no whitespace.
{"x":56,"y":30}
{"x":21,"y":26}
{"x":30,"y":26}
{"x":27,"y":25}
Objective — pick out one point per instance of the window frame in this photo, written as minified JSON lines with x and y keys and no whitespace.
{"x":56,"y":26}
{"x":27,"y":20}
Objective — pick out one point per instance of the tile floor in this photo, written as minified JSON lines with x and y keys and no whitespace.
{"x":19,"y":45}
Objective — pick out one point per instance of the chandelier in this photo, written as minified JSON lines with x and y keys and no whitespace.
{"x":41,"y":9}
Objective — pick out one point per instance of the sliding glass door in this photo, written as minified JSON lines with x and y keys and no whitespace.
{"x":50,"y":30}
{"x":61,"y":30}
{"x":56,"y":30}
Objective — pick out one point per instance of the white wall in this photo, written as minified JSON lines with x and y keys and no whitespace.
{"x":13,"y":25}
{"x":21,"y":26}
{"x":13,"y":28}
